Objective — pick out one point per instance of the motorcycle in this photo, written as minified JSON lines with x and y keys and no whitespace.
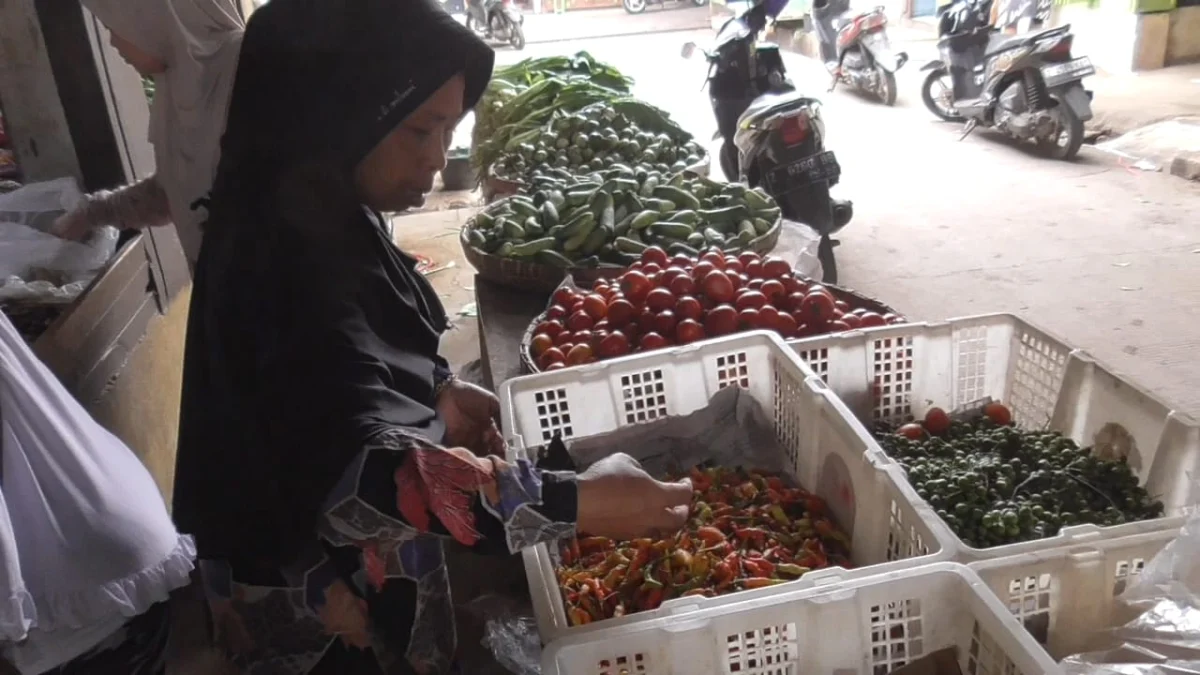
{"x":855,"y":48}
{"x":497,"y":20}
{"x":639,"y":6}
{"x":771,"y":134}
{"x":1027,"y":86}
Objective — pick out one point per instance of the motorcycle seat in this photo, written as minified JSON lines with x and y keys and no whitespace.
{"x":998,"y":42}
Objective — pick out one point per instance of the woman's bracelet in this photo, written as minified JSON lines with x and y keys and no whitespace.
{"x":441,"y":386}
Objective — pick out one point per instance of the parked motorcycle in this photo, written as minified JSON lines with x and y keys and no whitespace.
{"x":1027,"y":86}
{"x":855,"y":48}
{"x":639,"y":6}
{"x":497,"y":20}
{"x":771,"y":134}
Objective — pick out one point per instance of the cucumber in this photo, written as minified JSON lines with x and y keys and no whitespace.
{"x":584,"y":222}
{"x":533,"y":228}
{"x":627,"y":245}
{"x":556,"y":231}
{"x":660,"y":205}
{"x":755,"y":200}
{"x":601,"y":202}
{"x":644,"y":219}
{"x":747,"y":226}
{"x":686,"y":216}
{"x":672,"y":230}
{"x":523,"y":207}
{"x":762,"y":226}
{"x":713,"y":237}
{"x":696,"y":240}
{"x":532,"y":247}
{"x":553,"y":258}
{"x":677,"y":247}
{"x":556,"y":198}
{"x":648,"y":187}
{"x":727,"y":215}
{"x":483,"y":221}
{"x":549,"y":214}
{"x":771,"y":214}
{"x":576,"y":241}
{"x":624,"y":224}
{"x":577,"y":196}
{"x":475,"y":238}
{"x":594,"y":241}
{"x":513,"y":230}
{"x":681,"y":197}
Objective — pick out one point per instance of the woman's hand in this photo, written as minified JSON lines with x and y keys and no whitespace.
{"x":470,"y":415}
{"x":617,"y":499}
{"x":74,"y":225}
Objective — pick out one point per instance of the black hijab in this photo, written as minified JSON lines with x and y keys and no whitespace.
{"x":309,"y":332}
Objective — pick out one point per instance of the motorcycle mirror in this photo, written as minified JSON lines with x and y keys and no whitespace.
{"x":689,"y":48}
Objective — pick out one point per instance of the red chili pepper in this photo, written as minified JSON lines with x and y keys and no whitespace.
{"x":710,"y":535}
{"x":591,"y":545}
{"x":653,"y":599}
{"x":760,"y":582}
{"x":775,"y":483}
{"x":639,"y":559}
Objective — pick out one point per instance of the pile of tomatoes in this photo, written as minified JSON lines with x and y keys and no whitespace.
{"x":662,"y":301}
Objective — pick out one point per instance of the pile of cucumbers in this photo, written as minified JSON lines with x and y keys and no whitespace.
{"x":608,"y":217}
{"x":600,"y":136}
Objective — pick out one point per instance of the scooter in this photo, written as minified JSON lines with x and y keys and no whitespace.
{"x":497,"y":20}
{"x":639,"y":6}
{"x":771,"y":134}
{"x":1027,"y":86}
{"x":855,"y":48}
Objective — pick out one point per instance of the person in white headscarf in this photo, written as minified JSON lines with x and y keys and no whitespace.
{"x":190,"y":49}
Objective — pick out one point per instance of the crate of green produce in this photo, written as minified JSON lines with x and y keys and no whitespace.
{"x":597,"y":224}
{"x":1010,"y":435}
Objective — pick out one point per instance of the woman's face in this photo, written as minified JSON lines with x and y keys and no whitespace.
{"x":146,"y":64}
{"x":397,"y":173}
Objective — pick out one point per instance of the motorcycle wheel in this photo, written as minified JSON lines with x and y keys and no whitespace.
{"x":516,"y":37}
{"x":1065,"y":145}
{"x":729,"y":162}
{"x":829,"y":273}
{"x":935,"y":79}
{"x":887,"y":87}
{"x":699,"y":3}
{"x":634,"y":6}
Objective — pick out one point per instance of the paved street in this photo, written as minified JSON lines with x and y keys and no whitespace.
{"x":591,"y":24}
{"x":1104,"y":255}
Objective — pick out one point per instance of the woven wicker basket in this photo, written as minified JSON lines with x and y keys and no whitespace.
{"x":856,"y":299}
{"x":526,"y":275}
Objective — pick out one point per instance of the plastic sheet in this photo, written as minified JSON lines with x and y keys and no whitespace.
{"x":509,"y":633}
{"x":1165,"y":637}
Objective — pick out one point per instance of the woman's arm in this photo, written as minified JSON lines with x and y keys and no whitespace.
{"x":142,"y":204}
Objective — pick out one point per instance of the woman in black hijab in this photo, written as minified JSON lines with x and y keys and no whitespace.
{"x":325,"y":450}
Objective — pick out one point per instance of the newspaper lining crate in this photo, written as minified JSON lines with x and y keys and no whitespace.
{"x":1066,"y":597}
{"x":825,"y":445}
{"x":895,"y":373}
{"x":868,"y":625}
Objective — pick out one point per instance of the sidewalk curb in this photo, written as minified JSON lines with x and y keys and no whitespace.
{"x":1186,"y":165}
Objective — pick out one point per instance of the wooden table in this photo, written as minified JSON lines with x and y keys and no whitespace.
{"x":503,"y":314}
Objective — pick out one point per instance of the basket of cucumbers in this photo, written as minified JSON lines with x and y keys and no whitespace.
{"x":596,"y":225}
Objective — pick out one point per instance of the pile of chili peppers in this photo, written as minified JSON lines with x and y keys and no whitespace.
{"x":747,"y":529}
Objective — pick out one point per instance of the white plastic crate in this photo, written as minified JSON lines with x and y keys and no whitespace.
{"x":869,"y":625}
{"x":825,"y":443}
{"x":896,"y":373}
{"x":1066,"y":597}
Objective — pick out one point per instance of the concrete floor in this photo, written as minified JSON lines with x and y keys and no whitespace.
{"x":1101,"y":254}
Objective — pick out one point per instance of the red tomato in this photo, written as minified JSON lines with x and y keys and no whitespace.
{"x":859,"y":312}
{"x":632,"y":331}
{"x":654,"y":255}
{"x":595,"y":306}
{"x":653,"y":341}
{"x":722,"y":320}
{"x":842,"y":306}
{"x":707,"y":303}
{"x":620,"y":312}
{"x":565,"y":297}
{"x":776,"y":268}
{"x":793,"y":301}
{"x":786,"y":325}
{"x":688,"y":331}
{"x":749,"y":299}
{"x":682,"y":260}
{"x":748,"y":319}
{"x":635,"y":285}
{"x":714,"y":258}
{"x":818,"y":288}
{"x":801,"y":329}
{"x":549,"y":357}
{"x":576,"y":307}
{"x":912,"y":431}
{"x":556,"y":312}
{"x":552,"y":327}
{"x":768,"y":318}
{"x":584,"y":337}
{"x":747,"y":257}
{"x":754,"y":269}
{"x":872,"y":320}
{"x":937,"y":421}
{"x":660,"y":299}
{"x":794,"y":285}
{"x":540,"y":343}
{"x":899,"y":320}
{"x":682,"y":285}
{"x":652,"y":269}
{"x":776,"y":294}
{"x":670,"y":273}
{"x":998,"y":413}
{"x":852,"y":321}
{"x":755,"y":284}
{"x":646,"y":318}
{"x":580,"y":321}
{"x":838,"y":326}
{"x":816,"y":308}
{"x":602,"y":324}
{"x":616,"y":344}
{"x":664,"y":322}
{"x":580,"y":354}
{"x":735,"y":280}
{"x":564,"y":338}
{"x":555,"y":366}
{"x":733,"y":265}
{"x":701,"y":270}
{"x":687,"y":307}
{"x":717,"y":286}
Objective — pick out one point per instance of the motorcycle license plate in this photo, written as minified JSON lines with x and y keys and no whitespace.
{"x":1075,"y":69}
{"x":814,"y":169}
